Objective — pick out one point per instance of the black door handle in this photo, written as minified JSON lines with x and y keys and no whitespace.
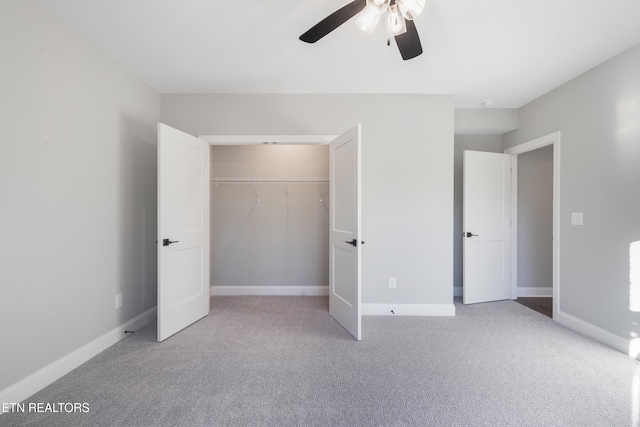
{"x":467,"y":234}
{"x":353,"y":242}
{"x":167,"y":242}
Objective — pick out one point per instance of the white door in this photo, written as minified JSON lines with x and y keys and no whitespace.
{"x":486,"y":227}
{"x":183,"y":230}
{"x":345,"y":232}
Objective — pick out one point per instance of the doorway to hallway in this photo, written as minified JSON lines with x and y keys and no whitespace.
{"x":543,"y":305}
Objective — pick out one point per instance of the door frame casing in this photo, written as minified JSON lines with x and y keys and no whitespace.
{"x":543,"y":141}
{"x":268,"y":139}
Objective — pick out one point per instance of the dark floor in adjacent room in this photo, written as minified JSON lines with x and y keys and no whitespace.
{"x":540,"y":304}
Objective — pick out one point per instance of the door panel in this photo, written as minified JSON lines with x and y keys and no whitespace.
{"x":487,"y":216}
{"x":183,"y":218}
{"x":344,"y":226}
{"x":343,"y":278}
{"x":186,"y":270}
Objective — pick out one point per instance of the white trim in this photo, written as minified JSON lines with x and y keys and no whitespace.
{"x":270,"y":290}
{"x":408,"y":309}
{"x":556,"y":224}
{"x":551,"y":139}
{"x":541,"y":292}
{"x":534,"y":144}
{"x":56,"y":370}
{"x":592,"y":331}
{"x":514,"y":227}
{"x":268,"y":139}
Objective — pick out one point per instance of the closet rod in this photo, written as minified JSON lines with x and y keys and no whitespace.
{"x":261,"y":180}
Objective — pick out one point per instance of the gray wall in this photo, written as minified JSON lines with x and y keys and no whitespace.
{"x":407,"y":174}
{"x":491,"y":143}
{"x":78,"y":191}
{"x":485,"y":121}
{"x":260,"y":238}
{"x":535,"y":218}
{"x":598,"y":114}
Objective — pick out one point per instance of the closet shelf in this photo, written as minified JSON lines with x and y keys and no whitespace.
{"x":257,"y":182}
{"x":246,"y":180}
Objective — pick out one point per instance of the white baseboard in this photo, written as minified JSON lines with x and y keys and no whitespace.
{"x":522,"y":292}
{"x":599,"y":334}
{"x":270,"y":290}
{"x":56,"y":370}
{"x":408,"y":309}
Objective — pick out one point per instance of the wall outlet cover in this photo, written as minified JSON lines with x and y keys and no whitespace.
{"x":577,"y":218}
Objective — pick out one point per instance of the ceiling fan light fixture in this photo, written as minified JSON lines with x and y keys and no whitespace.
{"x":410,"y":9}
{"x":368,"y":15}
{"x":396,"y":24}
{"x":382,"y":5}
{"x":368,"y":18}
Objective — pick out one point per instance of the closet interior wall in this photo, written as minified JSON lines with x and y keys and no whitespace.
{"x":269,"y":217}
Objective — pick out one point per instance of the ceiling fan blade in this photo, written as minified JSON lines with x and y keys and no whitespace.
{"x":333,"y":21}
{"x":409,"y":42}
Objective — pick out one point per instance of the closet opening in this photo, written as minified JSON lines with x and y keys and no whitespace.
{"x":297,"y":227}
{"x":269,"y":214}
{"x":270,"y":219}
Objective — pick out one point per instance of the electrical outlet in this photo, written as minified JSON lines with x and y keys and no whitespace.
{"x":118,"y":300}
{"x":392,"y":282}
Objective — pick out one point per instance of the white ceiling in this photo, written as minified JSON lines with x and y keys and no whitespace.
{"x":509,"y":51}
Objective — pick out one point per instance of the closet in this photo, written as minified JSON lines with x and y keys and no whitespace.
{"x":269,"y":219}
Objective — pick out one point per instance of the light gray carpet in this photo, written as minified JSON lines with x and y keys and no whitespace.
{"x":283,"y":361}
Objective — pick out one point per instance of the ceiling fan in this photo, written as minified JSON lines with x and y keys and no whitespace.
{"x":400,"y":25}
